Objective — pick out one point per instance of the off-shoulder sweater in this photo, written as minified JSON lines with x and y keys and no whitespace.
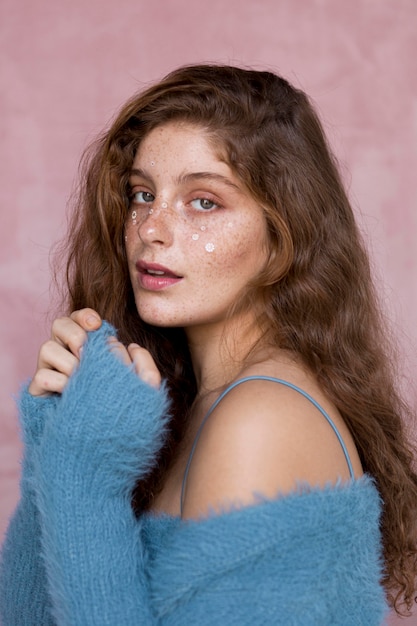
{"x":75,"y":553}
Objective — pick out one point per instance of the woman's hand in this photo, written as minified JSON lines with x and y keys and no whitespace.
{"x":142,"y":360}
{"x":60,"y":355}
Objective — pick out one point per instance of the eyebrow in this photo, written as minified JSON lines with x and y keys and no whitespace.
{"x":192,"y":176}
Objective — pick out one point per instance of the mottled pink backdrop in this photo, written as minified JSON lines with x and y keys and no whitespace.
{"x":65,"y":67}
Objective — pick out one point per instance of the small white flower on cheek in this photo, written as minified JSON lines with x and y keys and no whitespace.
{"x":195,"y":237}
{"x":209,"y":247}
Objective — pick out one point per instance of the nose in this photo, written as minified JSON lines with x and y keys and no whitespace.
{"x":157,"y":226}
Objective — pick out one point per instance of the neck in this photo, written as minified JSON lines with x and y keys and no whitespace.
{"x":219,"y":351}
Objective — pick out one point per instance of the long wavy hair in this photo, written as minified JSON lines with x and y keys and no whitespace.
{"x":315,"y":295}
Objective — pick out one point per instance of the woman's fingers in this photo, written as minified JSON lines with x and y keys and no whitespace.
{"x":69,"y":334}
{"x":59,"y":356}
{"x":119,"y":350}
{"x":55,"y":365}
{"x":53,"y":355}
{"x":87,"y":318}
{"x":143,"y":362}
{"x":47,"y":381}
{"x":72,"y":331}
{"x":144,"y":365}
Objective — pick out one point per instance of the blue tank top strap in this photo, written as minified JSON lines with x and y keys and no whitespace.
{"x":281,"y":382}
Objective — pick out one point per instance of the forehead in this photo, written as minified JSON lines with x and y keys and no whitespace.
{"x":184,"y":139}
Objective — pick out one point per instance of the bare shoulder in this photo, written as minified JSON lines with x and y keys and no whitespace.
{"x":264,"y":438}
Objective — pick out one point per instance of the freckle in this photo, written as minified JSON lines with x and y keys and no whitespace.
{"x":209,"y":247}
{"x":195,"y":237}
{"x":202,"y":228}
{"x":152,"y":163}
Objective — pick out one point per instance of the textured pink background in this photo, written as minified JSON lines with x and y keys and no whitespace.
{"x":66,"y":66}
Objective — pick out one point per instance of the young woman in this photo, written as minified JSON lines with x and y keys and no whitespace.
{"x":231,"y":448}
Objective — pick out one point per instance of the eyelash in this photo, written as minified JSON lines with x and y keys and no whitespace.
{"x":201,"y":199}
{"x":136,"y":193}
{"x":206,"y":209}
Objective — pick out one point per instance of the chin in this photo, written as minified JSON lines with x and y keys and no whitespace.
{"x":158,"y":320}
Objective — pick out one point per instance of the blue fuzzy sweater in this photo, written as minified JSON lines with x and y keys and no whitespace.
{"x":75,"y":554}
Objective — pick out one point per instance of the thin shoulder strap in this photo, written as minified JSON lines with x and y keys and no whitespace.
{"x":275,"y":380}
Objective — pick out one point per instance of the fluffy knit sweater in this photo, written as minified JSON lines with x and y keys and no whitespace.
{"x":75,"y":554}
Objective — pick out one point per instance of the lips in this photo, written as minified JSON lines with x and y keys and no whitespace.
{"x":155,"y":269}
{"x":155,"y":277}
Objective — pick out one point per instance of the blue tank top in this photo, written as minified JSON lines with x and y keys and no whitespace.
{"x":275,"y":380}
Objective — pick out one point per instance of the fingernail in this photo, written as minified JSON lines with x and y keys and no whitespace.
{"x":92,"y":320}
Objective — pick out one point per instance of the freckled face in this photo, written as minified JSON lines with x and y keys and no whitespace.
{"x":194,"y":235}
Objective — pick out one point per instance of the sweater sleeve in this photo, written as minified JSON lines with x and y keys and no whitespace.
{"x":23,"y":595}
{"x":105,"y":435}
{"x":310,"y":558}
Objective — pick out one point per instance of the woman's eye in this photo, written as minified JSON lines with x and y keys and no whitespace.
{"x":203,"y":204}
{"x":142,"y":197}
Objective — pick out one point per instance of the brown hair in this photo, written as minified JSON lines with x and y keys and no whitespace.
{"x":316,"y":291}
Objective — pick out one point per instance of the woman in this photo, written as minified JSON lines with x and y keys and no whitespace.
{"x":235,"y":451}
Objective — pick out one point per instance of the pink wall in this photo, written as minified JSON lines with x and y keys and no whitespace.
{"x":65,"y":66}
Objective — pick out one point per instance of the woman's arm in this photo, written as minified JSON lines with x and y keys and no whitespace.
{"x":105,"y":435}
{"x":23,"y":594}
{"x":23,"y":583}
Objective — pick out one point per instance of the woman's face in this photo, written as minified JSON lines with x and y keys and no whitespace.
{"x":194,"y":235}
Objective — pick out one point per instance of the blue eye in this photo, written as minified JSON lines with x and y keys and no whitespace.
{"x":203,"y":204}
{"x":143,"y":197}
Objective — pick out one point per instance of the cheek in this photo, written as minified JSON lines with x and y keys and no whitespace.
{"x":229,"y":247}
{"x":130,"y":235}
{"x":202,"y":239}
